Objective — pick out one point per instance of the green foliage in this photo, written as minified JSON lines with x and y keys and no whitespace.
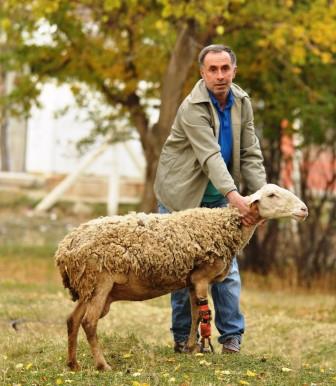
{"x":286,"y":50}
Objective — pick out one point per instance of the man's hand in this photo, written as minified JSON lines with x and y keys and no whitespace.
{"x":250,"y":217}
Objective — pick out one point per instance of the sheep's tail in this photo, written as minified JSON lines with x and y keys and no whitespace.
{"x":66,"y":282}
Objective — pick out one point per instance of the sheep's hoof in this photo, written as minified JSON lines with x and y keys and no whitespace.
{"x":206,"y":345}
{"x":194,"y":349}
{"x":74,"y":366}
{"x":103,"y":367}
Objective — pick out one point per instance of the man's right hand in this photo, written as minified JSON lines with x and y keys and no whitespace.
{"x":250,"y":217}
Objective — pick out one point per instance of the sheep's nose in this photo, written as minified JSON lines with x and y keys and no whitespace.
{"x":304,"y":210}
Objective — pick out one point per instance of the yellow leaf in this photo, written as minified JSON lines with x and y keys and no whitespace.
{"x":326,"y":58}
{"x":19,"y":366}
{"x":220,"y":30}
{"x":199,"y":354}
{"x":299,"y":32}
{"x":5,"y":23}
{"x":59,"y":381}
{"x":286,"y":370}
{"x":125,"y":356}
{"x":243,"y":383}
{"x":250,"y":373}
{"x":28,"y":366}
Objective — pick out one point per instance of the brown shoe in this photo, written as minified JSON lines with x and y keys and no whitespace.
{"x":179,"y":346}
{"x":231,"y":345}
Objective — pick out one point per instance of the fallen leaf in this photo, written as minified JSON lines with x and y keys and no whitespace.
{"x":286,"y":370}
{"x":204,"y":362}
{"x":243,"y":382}
{"x":129,"y":355}
{"x":250,"y":373}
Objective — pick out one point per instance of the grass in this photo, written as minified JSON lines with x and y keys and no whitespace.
{"x":290,"y":336}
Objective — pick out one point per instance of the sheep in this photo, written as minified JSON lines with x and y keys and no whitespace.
{"x":140,"y":256}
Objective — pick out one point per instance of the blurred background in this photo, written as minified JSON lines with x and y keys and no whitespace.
{"x":89,"y":90}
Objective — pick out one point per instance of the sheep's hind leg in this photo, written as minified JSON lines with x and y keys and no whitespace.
{"x":95,"y":310}
{"x":73,"y":324}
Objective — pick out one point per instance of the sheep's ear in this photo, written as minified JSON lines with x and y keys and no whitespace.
{"x":255,"y":197}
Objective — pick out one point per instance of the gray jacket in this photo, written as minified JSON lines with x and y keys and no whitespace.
{"x":191,"y":154}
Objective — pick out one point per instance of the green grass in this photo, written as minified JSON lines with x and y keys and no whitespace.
{"x":290,"y":337}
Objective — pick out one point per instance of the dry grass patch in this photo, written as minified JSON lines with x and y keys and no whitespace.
{"x":290,"y":337}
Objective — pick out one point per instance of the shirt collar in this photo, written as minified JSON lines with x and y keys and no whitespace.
{"x":229,"y":102}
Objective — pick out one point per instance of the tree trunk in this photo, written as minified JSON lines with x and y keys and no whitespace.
{"x":181,"y":60}
{"x":149,"y":201}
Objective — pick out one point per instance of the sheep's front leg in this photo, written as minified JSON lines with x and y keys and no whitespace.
{"x":96,"y":309}
{"x":200,"y":280}
{"x":192,"y":345}
{"x":199,"y":309}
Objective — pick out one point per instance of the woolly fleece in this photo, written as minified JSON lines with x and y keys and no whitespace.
{"x":160,"y":248}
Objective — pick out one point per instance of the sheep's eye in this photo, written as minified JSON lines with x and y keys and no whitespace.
{"x":271,"y":195}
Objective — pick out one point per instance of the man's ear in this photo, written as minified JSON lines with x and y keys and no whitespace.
{"x":234,"y":72}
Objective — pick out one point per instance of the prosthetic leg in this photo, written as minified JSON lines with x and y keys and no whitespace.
{"x":205,"y":326}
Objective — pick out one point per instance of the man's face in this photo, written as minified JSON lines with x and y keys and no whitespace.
{"x":218,"y":72}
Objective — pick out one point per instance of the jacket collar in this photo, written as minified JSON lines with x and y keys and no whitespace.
{"x":200,"y":93}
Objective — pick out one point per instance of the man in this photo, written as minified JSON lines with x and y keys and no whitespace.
{"x":212,"y":143}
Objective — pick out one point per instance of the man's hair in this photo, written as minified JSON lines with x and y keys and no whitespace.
{"x":216,"y":48}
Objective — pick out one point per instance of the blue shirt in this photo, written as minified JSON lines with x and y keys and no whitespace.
{"x":225,"y":142}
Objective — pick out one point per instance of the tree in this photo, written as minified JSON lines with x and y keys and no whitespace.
{"x":141,"y":56}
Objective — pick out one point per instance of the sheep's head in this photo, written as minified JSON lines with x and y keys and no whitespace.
{"x":275,"y":202}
